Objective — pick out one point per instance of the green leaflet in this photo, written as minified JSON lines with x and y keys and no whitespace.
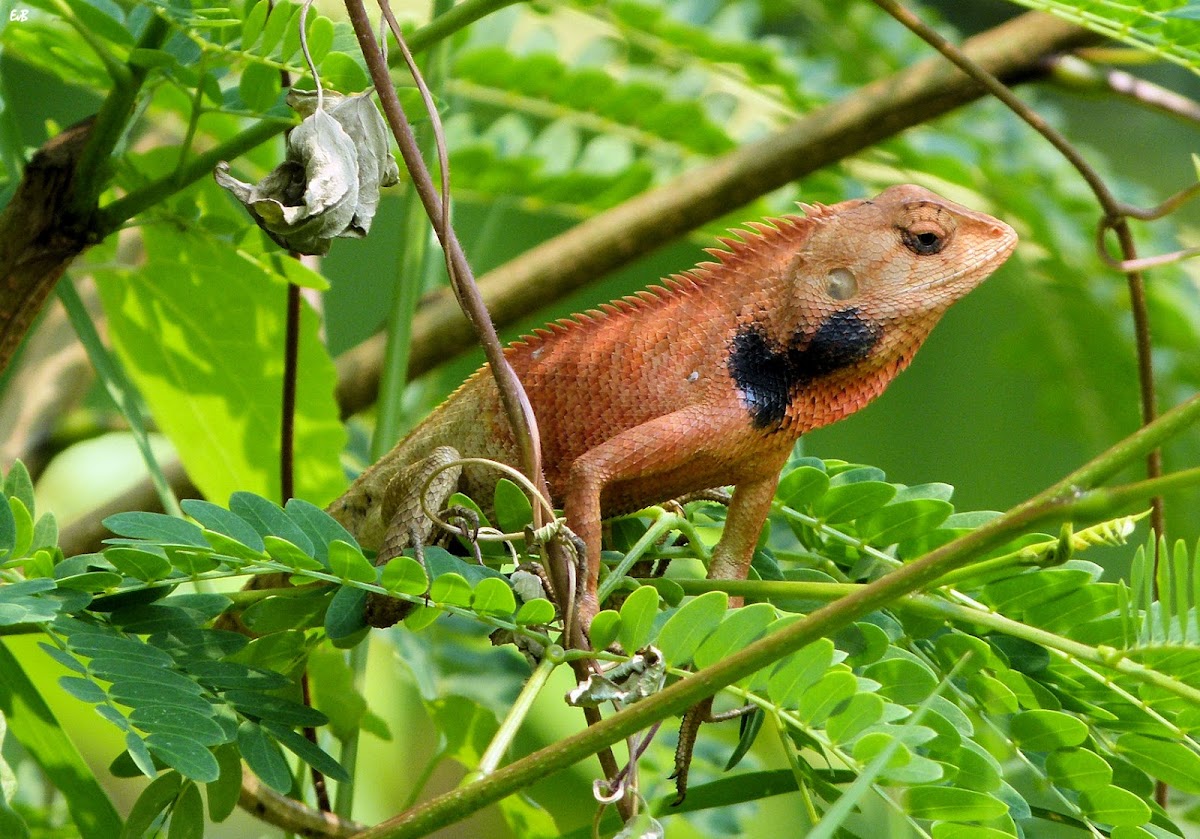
{"x":221,"y":414}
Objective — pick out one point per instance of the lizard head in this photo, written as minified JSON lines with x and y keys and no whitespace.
{"x":903,"y":255}
{"x":869,"y":279}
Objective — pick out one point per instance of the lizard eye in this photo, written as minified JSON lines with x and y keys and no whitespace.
{"x":923,"y":240}
{"x":841,"y":284}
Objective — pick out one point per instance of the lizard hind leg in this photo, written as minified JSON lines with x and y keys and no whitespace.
{"x":406,"y":524}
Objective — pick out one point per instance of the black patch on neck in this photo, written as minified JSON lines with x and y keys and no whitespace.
{"x":769,"y":374}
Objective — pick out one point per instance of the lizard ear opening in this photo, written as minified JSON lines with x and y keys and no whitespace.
{"x":841,"y":284}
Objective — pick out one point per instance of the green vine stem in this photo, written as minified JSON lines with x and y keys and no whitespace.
{"x":1053,"y":503}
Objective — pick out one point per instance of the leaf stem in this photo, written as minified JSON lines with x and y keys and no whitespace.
{"x":515,"y":718}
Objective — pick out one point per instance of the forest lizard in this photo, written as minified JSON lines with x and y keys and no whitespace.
{"x":707,"y":380}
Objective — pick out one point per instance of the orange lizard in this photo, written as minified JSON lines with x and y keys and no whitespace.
{"x":707,"y":380}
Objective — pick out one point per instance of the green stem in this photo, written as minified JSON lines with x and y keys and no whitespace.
{"x":459,"y":803}
{"x":93,"y":169}
{"x":115,"y":214}
{"x":664,"y":523}
{"x":516,"y":717}
{"x":456,"y":18}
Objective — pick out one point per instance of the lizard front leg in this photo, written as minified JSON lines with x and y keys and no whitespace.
{"x":669,"y":446}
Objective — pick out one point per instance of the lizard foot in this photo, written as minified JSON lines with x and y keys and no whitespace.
{"x":689,"y":728}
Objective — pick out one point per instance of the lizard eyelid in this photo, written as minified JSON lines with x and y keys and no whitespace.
{"x":924,"y":238}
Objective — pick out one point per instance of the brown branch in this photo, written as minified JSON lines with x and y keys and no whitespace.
{"x":293,"y":816}
{"x":38,"y":235}
{"x":1013,"y":51}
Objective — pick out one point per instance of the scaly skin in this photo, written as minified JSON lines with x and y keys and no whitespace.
{"x":709,"y":379}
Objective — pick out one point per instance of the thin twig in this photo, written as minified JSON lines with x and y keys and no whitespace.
{"x":1074,"y":73}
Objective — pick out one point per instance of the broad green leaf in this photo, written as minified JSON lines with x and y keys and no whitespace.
{"x":1167,"y":760}
{"x":20,"y":603}
{"x":846,"y":502}
{"x":252,"y":25}
{"x":164,"y":719}
{"x":263,"y":756}
{"x":85,"y":690}
{"x":493,"y":596}
{"x":348,"y":563}
{"x":294,"y":557}
{"x":535,"y":612}
{"x":156,"y":527}
{"x":136,"y":694}
{"x":8,"y":530}
{"x":141,"y":565}
{"x":467,"y":726}
{"x":685,"y":631}
{"x":320,"y":36}
{"x":404,"y":575}
{"x":902,"y":680}
{"x":513,"y":510}
{"x":45,"y":532}
{"x":307,"y":751}
{"x":322,"y":528}
{"x":274,"y":708}
{"x":820,"y":700}
{"x":977,"y":769}
{"x":1115,"y":806}
{"x":451,"y":589}
{"x":277,"y":24}
{"x":113,"y":669}
{"x":738,"y":628}
{"x":637,"y":618}
{"x":802,"y":486}
{"x":259,"y":87}
{"x":992,"y":693}
{"x":949,"y":830}
{"x":1130,"y":832}
{"x":903,"y":520}
{"x":604,"y":629}
{"x":1074,"y":609}
{"x":188,"y":756}
{"x":269,"y":519}
{"x":874,"y":743}
{"x":751,"y":724}
{"x":93,"y":645}
{"x":223,"y":521}
{"x":153,"y":802}
{"x":861,"y":712}
{"x":233,"y":548}
{"x":18,"y":484}
{"x":335,"y":694}
{"x":803,"y":668}
{"x":1043,"y":731}
{"x":196,"y":297}
{"x":345,"y":618}
{"x":225,"y":675}
{"x":187,"y":818}
{"x":1078,"y":769}
{"x":955,"y":647}
{"x":951,"y":803}
{"x":274,"y":614}
{"x":421,"y":617}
